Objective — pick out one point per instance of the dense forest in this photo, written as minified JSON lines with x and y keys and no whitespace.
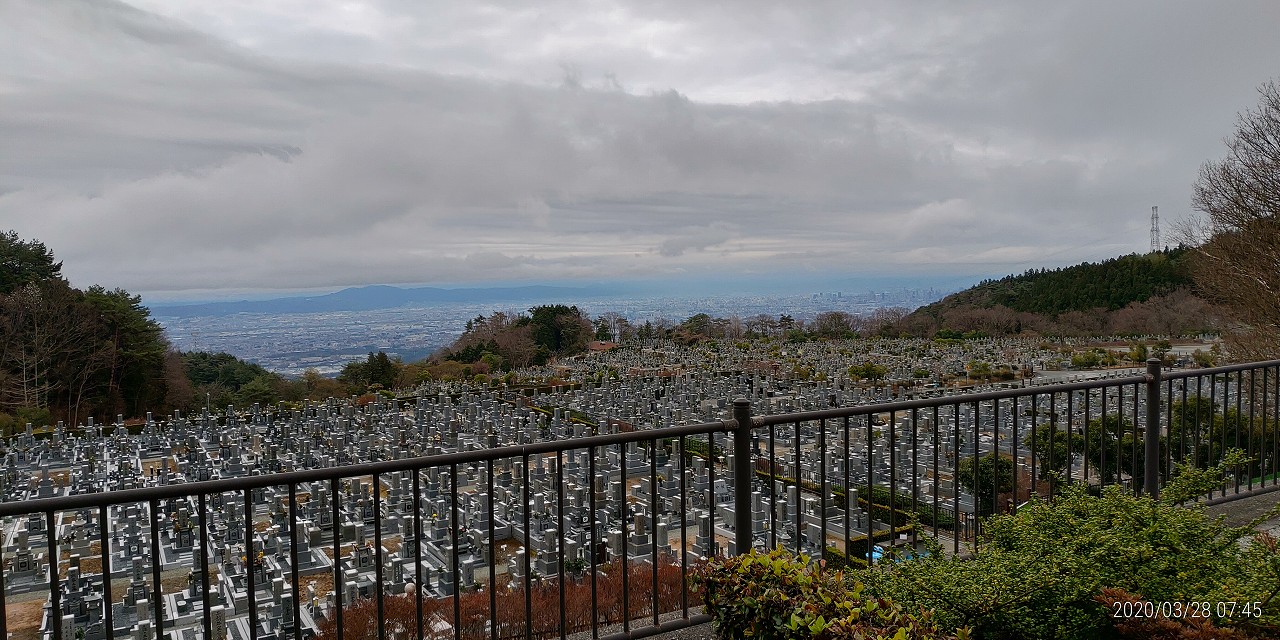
{"x":1133,"y":294}
{"x":70,"y":354}
{"x":1112,"y":284}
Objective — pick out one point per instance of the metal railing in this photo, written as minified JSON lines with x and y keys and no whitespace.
{"x":603,"y":518}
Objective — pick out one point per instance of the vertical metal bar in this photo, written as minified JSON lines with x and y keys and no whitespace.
{"x":1198,"y":445}
{"x":937,"y":441}
{"x":1133,"y":441}
{"x":337,"y":554}
{"x":871,"y":480}
{"x":417,"y":548}
{"x":454,"y":495}
{"x":1253,"y":385}
{"x":799,"y":489}
{"x":622,"y":509}
{"x":1166,"y":460}
{"x":915,"y":467}
{"x":1013,"y":450}
{"x":1151,"y":437}
{"x":1035,"y":453}
{"x":1262,"y":428}
{"x":4,"y":614}
{"x":104,"y":550}
{"x":773,"y":481}
{"x":1053,"y":443}
{"x":1239,"y":403}
{"x":742,"y":476}
{"x":1182,"y":425}
{"x":1102,"y":439}
{"x":1213,"y":403}
{"x":1088,"y":397}
{"x":294,"y":560}
{"x":1071,"y":419}
{"x":157,"y":593}
{"x":1119,"y":463}
{"x":526,"y":500}
{"x":560,"y":535}
{"x":848,"y":490}
{"x":893,"y":471}
{"x":377,"y":555}
{"x":1137,"y":438}
{"x":977,"y":482}
{"x":955,"y":481}
{"x":250,"y":561}
{"x":684,"y":535}
{"x":995,"y":485}
{"x":595,"y":544}
{"x":55,"y":589}
{"x":653,"y":520}
{"x":1239,"y":416}
{"x":1275,"y":430}
{"x":823,"y":491}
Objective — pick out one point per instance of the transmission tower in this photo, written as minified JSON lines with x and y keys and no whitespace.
{"x":1155,"y":229}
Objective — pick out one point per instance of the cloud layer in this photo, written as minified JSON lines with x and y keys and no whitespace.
{"x":246,"y":145}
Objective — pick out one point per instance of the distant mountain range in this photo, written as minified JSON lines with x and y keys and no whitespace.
{"x":379,"y":297}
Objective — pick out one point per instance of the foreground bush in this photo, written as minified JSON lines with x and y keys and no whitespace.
{"x":779,"y":596}
{"x":1040,"y":572}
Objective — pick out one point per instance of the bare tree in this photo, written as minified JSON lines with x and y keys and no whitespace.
{"x":1237,"y":257}
{"x":615,"y":322}
{"x":833,"y":324}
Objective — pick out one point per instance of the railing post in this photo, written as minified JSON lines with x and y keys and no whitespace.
{"x":1151,"y":437}
{"x":742,"y":476}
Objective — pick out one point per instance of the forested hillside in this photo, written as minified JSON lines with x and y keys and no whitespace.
{"x":1112,"y":284}
{"x":70,"y":354}
{"x":1149,"y":293}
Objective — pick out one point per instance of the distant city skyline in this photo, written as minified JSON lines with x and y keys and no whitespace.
{"x":290,"y":338}
{"x":199,"y":151}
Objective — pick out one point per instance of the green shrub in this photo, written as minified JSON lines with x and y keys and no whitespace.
{"x":923,"y":509}
{"x":701,"y":449}
{"x":836,"y":559}
{"x":780,"y":596}
{"x":38,"y":417}
{"x":1039,"y":572}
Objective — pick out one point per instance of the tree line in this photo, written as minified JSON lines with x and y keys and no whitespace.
{"x":69,"y":354}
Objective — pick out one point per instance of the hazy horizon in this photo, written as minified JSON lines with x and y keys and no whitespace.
{"x":781,"y":284}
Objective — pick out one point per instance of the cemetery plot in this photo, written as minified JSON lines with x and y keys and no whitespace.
{"x":485,"y":538}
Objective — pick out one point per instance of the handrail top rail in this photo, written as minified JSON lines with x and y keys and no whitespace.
{"x":1229,"y":368}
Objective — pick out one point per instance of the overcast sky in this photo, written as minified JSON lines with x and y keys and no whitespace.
{"x":166,"y":145}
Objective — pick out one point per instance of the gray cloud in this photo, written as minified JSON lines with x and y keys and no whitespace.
{"x":290,"y":144}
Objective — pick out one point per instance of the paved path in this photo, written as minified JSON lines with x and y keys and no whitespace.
{"x":1241,"y":511}
{"x":700,"y":632}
